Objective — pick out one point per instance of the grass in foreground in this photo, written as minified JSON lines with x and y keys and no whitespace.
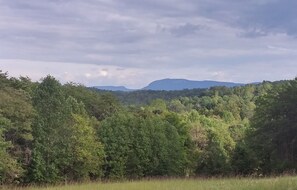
{"x":278,"y":183}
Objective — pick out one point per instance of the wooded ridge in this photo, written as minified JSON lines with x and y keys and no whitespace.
{"x":51,"y":132}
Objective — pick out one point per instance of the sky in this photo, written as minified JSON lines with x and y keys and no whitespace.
{"x":134,"y":42}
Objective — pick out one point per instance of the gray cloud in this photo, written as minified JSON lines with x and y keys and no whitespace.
{"x":253,"y":33}
{"x":274,"y":17}
{"x":186,"y":29}
{"x":137,"y":37}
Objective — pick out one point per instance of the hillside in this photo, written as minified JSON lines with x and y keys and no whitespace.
{"x":181,"y":84}
{"x":174,"y":84}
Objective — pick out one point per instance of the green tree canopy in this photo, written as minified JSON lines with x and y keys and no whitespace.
{"x":274,"y":128}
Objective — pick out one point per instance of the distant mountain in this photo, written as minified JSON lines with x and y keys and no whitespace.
{"x":172,"y":84}
{"x":180,"y":84}
{"x":113,"y":88}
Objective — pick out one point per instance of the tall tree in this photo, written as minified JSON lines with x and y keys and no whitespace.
{"x":99,"y":105}
{"x":65,"y":145}
{"x":274,"y":128}
{"x":9,"y":168}
{"x":16,"y":109}
{"x":49,"y":102}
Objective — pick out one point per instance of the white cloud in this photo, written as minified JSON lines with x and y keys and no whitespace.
{"x":104,"y":72}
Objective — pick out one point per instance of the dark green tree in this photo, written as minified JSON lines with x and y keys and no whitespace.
{"x":16,"y":113}
{"x":49,"y":102}
{"x":97,"y":104}
{"x":274,"y":128}
{"x":9,"y":168}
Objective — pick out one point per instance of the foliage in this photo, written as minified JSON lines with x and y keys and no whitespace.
{"x":64,"y":144}
{"x":16,"y":115}
{"x":98,"y":105}
{"x":274,"y":129}
{"x":138,"y":147}
{"x":9,"y":168}
{"x":53,"y":133}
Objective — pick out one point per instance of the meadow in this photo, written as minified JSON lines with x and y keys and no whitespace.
{"x":276,"y":183}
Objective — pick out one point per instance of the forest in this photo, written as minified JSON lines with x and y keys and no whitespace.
{"x":53,"y":133}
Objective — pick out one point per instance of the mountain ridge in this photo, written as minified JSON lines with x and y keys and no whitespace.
{"x":181,"y":84}
{"x":173,"y":84}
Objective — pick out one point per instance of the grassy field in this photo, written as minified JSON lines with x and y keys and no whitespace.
{"x":278,"y":183}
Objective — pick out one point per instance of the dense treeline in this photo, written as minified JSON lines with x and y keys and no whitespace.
{"x":141,"y":97}
{"x":51,"y":133}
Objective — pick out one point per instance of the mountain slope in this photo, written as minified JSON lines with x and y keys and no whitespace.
{"x":180,"y":84}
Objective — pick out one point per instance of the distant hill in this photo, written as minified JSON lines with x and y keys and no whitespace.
{"x":180,"y":84}
{"x":173,"y":84}
{"x":113,"y":88}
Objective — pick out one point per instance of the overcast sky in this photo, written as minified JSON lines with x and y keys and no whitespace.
{"x":133,"y":42}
